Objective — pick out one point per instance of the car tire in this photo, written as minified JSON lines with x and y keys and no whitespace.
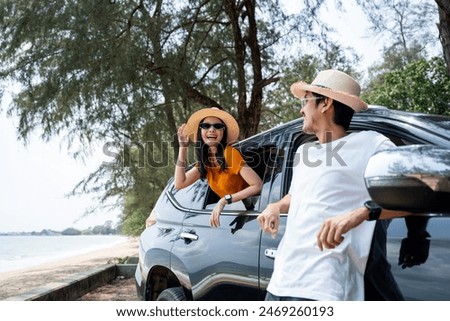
{"x":172,"y":294}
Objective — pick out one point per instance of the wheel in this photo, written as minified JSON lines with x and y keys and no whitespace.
{"x":172,"y":294}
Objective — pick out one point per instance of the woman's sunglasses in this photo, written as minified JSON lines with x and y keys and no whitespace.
{"x":208,"y":126}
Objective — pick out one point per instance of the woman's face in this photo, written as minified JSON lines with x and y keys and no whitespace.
{"x":211,"y":135}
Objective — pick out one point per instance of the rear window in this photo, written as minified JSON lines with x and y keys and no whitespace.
{"x":193,"y":196}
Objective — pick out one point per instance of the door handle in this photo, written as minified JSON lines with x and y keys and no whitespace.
{"x":189,"y":236}
{"x":270,"y":253}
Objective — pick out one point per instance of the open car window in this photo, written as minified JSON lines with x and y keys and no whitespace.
{"x":261,"y":160}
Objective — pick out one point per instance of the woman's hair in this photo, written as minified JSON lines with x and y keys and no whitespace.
{"x":342,"y":113}
{"x":202,"y":150}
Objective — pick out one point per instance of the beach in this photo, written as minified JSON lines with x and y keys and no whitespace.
{"x":19,"y":281}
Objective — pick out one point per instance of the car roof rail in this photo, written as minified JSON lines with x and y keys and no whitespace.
{"x":377,"y":107}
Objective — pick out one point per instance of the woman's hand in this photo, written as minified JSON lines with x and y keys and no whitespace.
{"x":183,"y":139}
{"x":214,"y":220}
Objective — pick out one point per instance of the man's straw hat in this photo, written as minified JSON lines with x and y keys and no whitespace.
{"x":334,"y":84}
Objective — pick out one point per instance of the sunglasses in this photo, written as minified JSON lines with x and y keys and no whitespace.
{"x":304,"y":101}
{"x":208,"y":126}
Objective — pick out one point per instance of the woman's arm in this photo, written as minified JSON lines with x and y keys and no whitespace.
{"x":181,"y":177}
{"x":254,"y":184}
{"x":254,"y":187}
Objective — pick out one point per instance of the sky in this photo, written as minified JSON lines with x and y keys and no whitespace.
{"x":352,"y":29}
{"x":34,"y":181}
{"x":35,"y":178}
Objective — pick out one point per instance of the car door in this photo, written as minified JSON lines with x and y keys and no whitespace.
{"x":222,"y":263}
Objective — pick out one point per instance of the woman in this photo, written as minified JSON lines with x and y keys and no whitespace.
{"x":228,"y":175}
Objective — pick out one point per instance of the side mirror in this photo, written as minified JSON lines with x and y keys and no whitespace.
{"x":414,"y":178}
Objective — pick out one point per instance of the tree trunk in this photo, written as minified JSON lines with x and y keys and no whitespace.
{"x":444,"y":29}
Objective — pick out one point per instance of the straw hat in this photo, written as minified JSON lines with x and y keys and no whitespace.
{"x":334,"y":84}
{"x":229,"y":121}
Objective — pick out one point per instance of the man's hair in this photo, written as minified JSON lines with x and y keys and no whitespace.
{"x":342,"y":113}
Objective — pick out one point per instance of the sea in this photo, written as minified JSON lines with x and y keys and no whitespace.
{"x":24,"y":251}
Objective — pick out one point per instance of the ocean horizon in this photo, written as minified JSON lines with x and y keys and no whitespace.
{"x":25,"y":251}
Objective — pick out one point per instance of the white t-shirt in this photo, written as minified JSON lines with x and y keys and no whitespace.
{"x":328,"y":180}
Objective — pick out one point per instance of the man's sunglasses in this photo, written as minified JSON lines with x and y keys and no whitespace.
{"x":208,"y":126}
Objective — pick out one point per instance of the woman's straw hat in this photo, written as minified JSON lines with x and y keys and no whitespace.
{"x":229,"y":121}
{"x":334,"y":84}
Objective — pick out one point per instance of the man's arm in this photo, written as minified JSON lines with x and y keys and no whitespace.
{"x":331,"y":233}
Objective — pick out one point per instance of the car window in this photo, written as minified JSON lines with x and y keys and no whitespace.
{"x":277,"y":191}
{"x":191,"y":197}
{"x":296,"y":140}
{"x":398,"y":133}
{"x":261,"y":159}
{"x":397,"y":139}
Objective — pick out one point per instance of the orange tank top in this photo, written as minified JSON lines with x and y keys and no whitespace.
{"x":229,"y":180}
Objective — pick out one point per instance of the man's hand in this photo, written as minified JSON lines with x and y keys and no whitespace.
{"x":331,"y":233}
{"x":269,"y":219}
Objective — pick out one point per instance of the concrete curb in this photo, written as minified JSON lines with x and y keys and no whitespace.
{"x":77,"y":285}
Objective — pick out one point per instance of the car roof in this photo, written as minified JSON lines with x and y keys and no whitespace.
{"x":439,"y":120}
{"x":436,"y":124}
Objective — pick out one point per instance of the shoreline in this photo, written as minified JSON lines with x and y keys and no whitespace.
{"x":13,"y":283}
{"x":28,"y":261}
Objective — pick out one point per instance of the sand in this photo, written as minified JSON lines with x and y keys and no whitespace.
{"x":19,"y":281}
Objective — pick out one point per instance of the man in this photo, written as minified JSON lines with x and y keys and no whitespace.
{"x":323,"y":253}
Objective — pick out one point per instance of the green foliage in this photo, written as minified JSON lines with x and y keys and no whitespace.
{"x":136,"y":212}
{"x":280,"y":105}
{"x":147,"y":181}
{"x":402,"y":24}
{"x":406,"y":79}
{"x":421,"y":86}
{"x":395,"y":58}
{"x":71,"y":231}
